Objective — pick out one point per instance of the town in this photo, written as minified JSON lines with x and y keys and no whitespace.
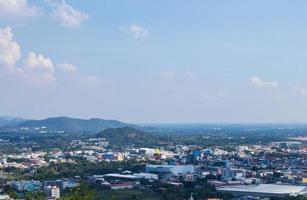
{"x":153,"y":100}
{"x":166,"y":170}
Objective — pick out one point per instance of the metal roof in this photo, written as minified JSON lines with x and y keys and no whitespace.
{"x":266,"y":188}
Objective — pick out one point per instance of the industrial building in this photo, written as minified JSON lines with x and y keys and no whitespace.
{"x":172,"y":169}
{"x":264,"y":190}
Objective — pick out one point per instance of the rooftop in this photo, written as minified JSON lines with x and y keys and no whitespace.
{"x":266,"y":188}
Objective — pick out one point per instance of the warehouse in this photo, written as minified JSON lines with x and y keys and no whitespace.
{"x":264,"y":190}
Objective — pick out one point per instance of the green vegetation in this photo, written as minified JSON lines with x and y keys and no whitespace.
{"x":10,"y":191}
{"x":125,"y":195}
{"x":34,"y":196}
{"x":10,"y":121}
{"x":82,"y":192}
{"x":70,"y":125}
{"x":119,"y":137}
{"x":152,"y":191}
{"x":84,"y":168}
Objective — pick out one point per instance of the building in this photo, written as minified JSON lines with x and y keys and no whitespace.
{"x":287,"y":144}
{"x":136,"y":176}
{"x":69,"y":183}
{"x":147,"y":176}
{"x":121,"y":186}
{"x":264,"y":190}
{"x":172,"y":169}
{"x":148,"y":151}
{"x":304,"y":178}
{"x":250,"y":198}
{"x":5,"y":197}
{"x":27,"y":185}
{"x":230,"y":174}
{"x":188,"y":177}
{"x":58,"y":183}
{"x":52,"y":192}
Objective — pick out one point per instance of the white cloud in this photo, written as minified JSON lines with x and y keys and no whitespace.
{"x":259,"y":83}
{"x":136,"y":31}
{"x":84,"y":79}
{"x":17,"y":9}
{"x":35,"y":68}
{"x":67,"y":67}
{"x":9,"y":49}
{"x":66,"y":14}
{"x":301,"y":90}
{"x":38,"y":69}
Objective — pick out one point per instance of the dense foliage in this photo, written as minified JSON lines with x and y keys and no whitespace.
{"x":119,"y":137}
{"x":69,"y":125}
{"x":82,"y":192}
{"x":84,"y":168}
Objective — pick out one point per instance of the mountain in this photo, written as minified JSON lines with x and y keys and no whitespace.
{"x":10,"y":121}
{"x":72,"y":125}
{"x":129,"y":136}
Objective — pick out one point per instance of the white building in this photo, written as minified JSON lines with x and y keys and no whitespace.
{"x":264,"y":190}
{"x":173,"y":169}
{"x":229,"y":174}
{"x":121,"y":186}
{"x":52,"y":192}
{"x":147,"y":176}
{"x":5,"y":197}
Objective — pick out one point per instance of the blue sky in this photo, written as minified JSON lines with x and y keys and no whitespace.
{"x":155,"y":61}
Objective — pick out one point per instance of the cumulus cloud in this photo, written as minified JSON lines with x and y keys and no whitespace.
{"x":301,"y":90}
{"x":66,"y":14}
{"x":259,"y":83}
{"x":67,"y":67}
{"x":136,"y":31}
{"x":17,"y":9}
{"x":38,"y":69}
{"x":35,"y":67}
{"x":9,"y":49}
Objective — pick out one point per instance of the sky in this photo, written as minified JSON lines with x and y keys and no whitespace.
{"x":175,"y":61}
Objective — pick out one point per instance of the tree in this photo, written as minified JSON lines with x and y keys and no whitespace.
{"x":34,"y":196}
{"x":82,"y":192}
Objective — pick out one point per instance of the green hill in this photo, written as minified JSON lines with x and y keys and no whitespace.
{"x":72,"y":125}
{"x":10,"y":121}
